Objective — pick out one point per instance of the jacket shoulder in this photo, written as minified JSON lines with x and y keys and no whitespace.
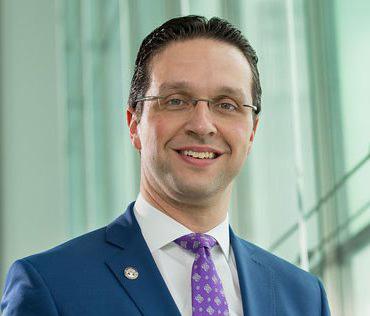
{"x":282,"y":269}
{"x":295,"y":291}
{"x":81,"y":248}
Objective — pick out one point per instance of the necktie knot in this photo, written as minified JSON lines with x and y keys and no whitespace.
{"x":194,"y":242}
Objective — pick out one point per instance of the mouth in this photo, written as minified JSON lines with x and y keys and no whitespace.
{"x":199,"y":156}
{"x":209,"y":155}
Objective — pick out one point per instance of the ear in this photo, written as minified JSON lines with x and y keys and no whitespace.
{"x":132,"y":124}
{"x":253,"y":134}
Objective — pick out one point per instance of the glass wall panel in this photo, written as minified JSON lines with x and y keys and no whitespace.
{"x":280,"y":175}
{"x":360,"y":271}
{"x":353,"y":32}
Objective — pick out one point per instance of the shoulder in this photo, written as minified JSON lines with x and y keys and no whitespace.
{"x":87,"y":250}
{"x":293,"y":290}
{"x":83,"y":246}
{"x":32,"y":282}
{"x":27,"y":286}
{"x":285,"y":274}
{"x":67,"y":260}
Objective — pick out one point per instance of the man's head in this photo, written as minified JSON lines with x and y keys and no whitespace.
{"x":192,"y":150}
{"x":180,"y":29}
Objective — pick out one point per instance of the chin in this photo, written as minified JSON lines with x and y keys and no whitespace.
{"x":198,"y":190}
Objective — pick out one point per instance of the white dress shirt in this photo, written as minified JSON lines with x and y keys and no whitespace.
{"x":175,"y":263}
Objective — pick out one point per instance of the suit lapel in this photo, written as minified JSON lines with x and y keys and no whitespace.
{"x":255,"y":279}
{"x":148,"y":290}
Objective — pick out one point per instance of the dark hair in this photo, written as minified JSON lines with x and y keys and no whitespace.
{"x":184,"y":28}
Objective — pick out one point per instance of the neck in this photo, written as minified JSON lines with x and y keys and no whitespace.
{"x":198,"y":216}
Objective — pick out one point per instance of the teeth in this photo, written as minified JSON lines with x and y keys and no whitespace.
{"x":199,"y":155}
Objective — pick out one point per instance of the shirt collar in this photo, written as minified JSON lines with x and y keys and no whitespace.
{"x":159,"y":229}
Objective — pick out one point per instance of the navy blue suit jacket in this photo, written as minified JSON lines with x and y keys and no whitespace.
{"x":84,"y":276}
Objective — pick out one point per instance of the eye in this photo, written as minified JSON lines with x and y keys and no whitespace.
{"x":175,"y":102}
{"x":227,"y":106}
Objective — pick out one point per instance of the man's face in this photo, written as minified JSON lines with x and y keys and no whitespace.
{"x":200,"y":68}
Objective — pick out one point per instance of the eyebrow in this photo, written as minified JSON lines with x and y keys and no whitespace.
{"x":187,"y":86}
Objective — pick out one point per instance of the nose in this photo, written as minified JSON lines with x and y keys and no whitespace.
{"x":201,"y":122}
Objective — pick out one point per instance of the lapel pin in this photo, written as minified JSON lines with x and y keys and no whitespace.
{"x":131,"y":273}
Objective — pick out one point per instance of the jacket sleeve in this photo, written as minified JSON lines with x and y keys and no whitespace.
{"x":325,"y":311}
{"x":26,"y":293}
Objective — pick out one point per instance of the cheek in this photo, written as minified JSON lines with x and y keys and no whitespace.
{"x":159,"y":130}
{"x":156,"y":133}
{"x":241,"y":137}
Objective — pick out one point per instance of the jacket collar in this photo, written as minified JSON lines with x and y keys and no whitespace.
{"x":256,"y":279}
{"x":148,"y":289}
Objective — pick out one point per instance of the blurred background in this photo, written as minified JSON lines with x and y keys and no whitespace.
{"x":67,"y":165}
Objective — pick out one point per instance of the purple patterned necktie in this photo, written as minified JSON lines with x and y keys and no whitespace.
{"x":208,"y":296}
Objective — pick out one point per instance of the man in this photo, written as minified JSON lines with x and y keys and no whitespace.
{"x":192,"y":115}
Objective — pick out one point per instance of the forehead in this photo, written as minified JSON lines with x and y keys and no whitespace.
{"x":206,"y":65}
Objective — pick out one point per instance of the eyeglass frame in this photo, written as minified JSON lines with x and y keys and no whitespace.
{"x":194,"y":101}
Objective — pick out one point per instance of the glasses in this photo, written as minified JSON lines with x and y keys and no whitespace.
{"x":223,"y":105}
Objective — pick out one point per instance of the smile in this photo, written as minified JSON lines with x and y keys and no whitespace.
{"x":199,"y":157}
{"x":198,"y":154}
